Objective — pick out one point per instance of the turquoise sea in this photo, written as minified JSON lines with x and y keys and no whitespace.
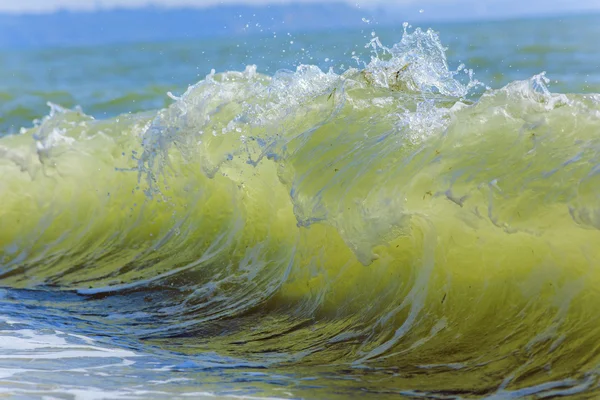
{"x":385,"y":212}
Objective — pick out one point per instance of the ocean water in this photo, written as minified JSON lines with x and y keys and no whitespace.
{"x":385,"y":212}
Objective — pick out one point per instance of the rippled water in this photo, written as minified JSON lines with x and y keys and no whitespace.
{"x":399,"y":224}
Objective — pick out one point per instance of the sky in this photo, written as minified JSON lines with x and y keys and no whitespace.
{"x":52,"y":5}
{"x":545,"y":6}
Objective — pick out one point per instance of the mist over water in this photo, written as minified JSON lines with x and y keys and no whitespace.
{"x":377,"y":218}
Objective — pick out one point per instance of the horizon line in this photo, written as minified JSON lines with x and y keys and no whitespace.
{"x":379,"y":7}
{"x":165,"y":6}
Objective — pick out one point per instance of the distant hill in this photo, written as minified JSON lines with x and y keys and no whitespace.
{"x":66,"y":28}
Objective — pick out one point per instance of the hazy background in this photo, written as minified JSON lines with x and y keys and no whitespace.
{"x":84,"y":22}
{"x":462,"y":8}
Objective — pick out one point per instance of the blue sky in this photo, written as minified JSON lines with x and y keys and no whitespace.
{"x":470,"y":7}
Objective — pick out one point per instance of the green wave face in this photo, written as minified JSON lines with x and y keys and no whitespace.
{"x":374,"y":219}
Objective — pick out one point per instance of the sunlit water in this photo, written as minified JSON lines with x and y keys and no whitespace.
{"x":320,"y":216}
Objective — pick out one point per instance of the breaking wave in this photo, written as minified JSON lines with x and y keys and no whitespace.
{"x":396,"y":217}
